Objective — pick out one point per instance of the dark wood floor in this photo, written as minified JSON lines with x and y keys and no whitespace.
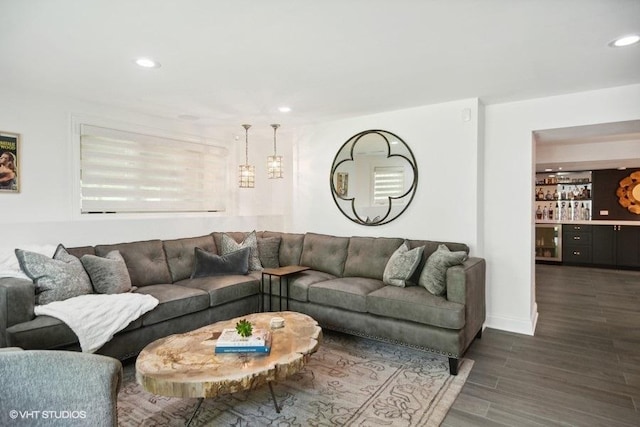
{"x":582,"y":367}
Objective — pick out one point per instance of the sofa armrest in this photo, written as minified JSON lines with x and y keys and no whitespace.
{"x":63,"y":381}
{"x":466,"y":285}
{"x":17,"y":301}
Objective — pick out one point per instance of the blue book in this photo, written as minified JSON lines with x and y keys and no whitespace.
{"x":249,"y":349}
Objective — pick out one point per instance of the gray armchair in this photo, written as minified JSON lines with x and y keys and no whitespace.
{"x":58,"y":388}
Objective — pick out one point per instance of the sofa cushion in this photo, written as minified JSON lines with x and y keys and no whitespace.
{"x":146,"y":261}
{"x":290,"y":247}
{"x":46,"y":332}
{"x":208,"y":264}
{"x":346,"y":292}
{"x":368,"y":256}
{"x":57,"y":278}
{"x":82,"y":250}
{"x":180,"y":254}
{"x":109,"y":275}
{"x":299,"y":284}
{"x":430,"y":247}
{"x":228,"y":244}
{"x":434,"y":274}
{"x":224,"y":289}
{"x":402,"y":265}
{"x":268,"y":250}
{"x":325,"y":253}
{"x":174,"y":301}
{"x":416,"y":304}
{"x":238,"y":236}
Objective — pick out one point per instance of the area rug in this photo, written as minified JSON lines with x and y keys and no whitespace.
{"x":350,"y":381}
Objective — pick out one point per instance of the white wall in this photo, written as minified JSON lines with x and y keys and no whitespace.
{"x":475,"y":182}
{"x":509,"y":161}
{"x":445,"y":206}
{"x":44,"y":211}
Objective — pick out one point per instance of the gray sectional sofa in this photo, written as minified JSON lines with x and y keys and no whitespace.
{"x":343,"y":290}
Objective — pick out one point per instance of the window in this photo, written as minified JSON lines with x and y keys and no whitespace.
{"x":130,"y":172}
{"x":388,"y":181}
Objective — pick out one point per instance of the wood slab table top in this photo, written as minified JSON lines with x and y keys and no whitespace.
{"x":185,"y":365}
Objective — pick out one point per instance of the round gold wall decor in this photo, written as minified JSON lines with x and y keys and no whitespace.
{"x":629,"y":193}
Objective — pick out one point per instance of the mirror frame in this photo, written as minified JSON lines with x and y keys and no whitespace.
{"x":387,"y":217}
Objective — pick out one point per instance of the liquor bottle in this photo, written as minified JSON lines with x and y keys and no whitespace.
{"x":538,"y":213}
{"x":548,"y":195}
{"x":555,"y":194}
{"x":563,"y":194}
{"x":551,"y":211}
{"x":587,"y":213}
{"x":576,"y":212}
{"x":563,"y":212}
{"x":545,"y":213}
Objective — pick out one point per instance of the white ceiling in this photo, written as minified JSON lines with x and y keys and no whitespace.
{"x":234,"y":61}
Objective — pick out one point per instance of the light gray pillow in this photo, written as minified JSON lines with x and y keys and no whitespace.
{"x":229,"y":245}
{"x":57,"y":278}
{"x":207,"y":264}
{"x":434,"y":274}
{"x":269,"y":250}
{"x":402,"y":265}
{"x":109,"y":275}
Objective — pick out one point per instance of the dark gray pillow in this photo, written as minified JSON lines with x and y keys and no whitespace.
{"x":109,"y":275}
{"x":208,"y":264}
{"x":402,"y":265}
{"x":57,"y":278}
{"x":434,"y":274}
{"x":228,"y":245}
{"x":269,"y":249}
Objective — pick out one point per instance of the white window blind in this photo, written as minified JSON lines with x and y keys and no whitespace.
{"x":131,"y":172}
{"x":388,"y":181}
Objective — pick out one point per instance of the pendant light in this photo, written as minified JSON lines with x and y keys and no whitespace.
{"x":274,"y":163}
{"x":247,"y":173}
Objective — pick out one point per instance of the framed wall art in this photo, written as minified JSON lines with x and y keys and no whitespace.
{"x":9,"y":162}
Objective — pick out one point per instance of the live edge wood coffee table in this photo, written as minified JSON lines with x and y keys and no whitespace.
{"x":185,"y":365}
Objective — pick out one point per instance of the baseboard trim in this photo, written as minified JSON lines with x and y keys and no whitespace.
{"x":513,"y":324}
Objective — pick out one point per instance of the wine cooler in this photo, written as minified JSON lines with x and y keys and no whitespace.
{"x":549,"y":242}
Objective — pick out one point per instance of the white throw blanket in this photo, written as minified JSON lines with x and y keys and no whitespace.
{"x":96,"y":318}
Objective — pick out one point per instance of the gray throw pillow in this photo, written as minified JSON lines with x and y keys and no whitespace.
{"x":207,"y":264}
{"x":269,"y":251}
{"x":434,"y":274}
{"x":402,"y":265}
{"x":57,"y":278}
{"x":109,"y":275}
{"x":229,"y":245}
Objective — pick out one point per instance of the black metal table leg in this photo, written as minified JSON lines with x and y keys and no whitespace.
{"x":261,"y":305}
{"x":287,"y":292}
{"x":270,"y":276}
{"x":273,"y":396}
{"x":200,"y":399}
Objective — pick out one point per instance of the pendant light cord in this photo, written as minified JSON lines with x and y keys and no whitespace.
{"x":246,"y":143}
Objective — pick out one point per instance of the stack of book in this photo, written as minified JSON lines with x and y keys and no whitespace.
{"x":230,"y":341}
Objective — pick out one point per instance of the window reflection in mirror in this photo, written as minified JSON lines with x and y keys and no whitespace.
{"x":374,"y":177}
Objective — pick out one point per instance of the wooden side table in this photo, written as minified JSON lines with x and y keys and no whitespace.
{"x":282,"y":273}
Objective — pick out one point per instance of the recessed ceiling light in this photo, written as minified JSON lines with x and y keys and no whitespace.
{"x":627,"y":40}
{"x":548,"y":170}
{"x":284,"y":109}
{"x":147,"y":63}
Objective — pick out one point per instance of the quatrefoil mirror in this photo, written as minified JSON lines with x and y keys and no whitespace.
{"x":374,"y":177}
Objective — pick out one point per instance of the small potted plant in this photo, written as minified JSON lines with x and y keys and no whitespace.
{"x":244,"y":328}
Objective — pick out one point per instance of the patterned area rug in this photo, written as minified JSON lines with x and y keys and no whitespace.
{"x":350,"y":381}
